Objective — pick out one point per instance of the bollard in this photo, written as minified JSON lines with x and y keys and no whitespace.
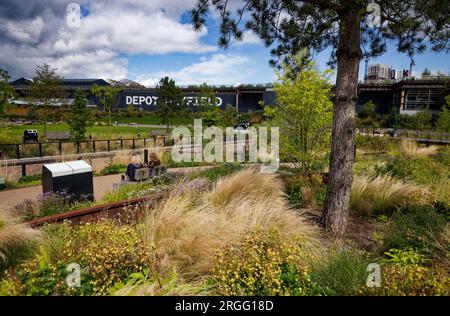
{"x":146,"y":157}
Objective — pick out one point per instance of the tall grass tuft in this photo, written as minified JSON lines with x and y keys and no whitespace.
{"x":13,"y":235}
{"x":382,"y":194}
{"x":442,"y":189}
{"x":187,"y":228}
{"x":410,"y":148}
{"x":341,"y":271}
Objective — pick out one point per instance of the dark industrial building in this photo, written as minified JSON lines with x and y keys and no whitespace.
{"x":408,"y":96}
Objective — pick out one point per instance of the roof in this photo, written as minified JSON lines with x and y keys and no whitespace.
{"x":21,"y":81}
{"x":65,"y":82}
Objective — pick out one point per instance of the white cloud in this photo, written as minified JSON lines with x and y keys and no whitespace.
{"x":102,"y":64}
{"x":27,"y":32}
{"x":218,"y":69}
{"x":248,"y":37}
{"x":131,"y":32}
{"x":113,"y":30}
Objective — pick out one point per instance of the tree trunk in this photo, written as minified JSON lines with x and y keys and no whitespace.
{"x":335,"y":213}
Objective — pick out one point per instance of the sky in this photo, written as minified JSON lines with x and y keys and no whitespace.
{"x":144,"y":41}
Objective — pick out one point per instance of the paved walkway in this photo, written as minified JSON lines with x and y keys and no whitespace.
{"x":10,"y":198}
{"x":102,"y":185}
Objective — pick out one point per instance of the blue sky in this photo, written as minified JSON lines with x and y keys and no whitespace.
{"x":259,"y":55}
{"x":143,"y":41}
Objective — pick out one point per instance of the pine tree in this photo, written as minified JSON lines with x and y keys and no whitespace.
{"x":170,"y":103}
{"x":352,"y":29}
{"x":45,"y":87}
{"x":80,"y":116}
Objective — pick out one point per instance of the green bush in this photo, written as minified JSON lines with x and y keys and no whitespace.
{"x":404,"y":273}
{"x":214,"y":173}
{"x":375,"y":144}
{"x":432,"y":170}
{"x":423,"y":170}
{"x":106,"y":252}
{"x":10,"y":287}
{"x":28,"y":179}
{"x":139,"y":189}
{"x":51,"y":245}
{"x":50,"y":203}
{"x":416,"y":226}
{"x":442,"y":208}
{"x":113,"y":169}
{"x":412,"y":280}
{"x":406,"y":256}
{"x":305,"y":189}
{"x":263,"y":264}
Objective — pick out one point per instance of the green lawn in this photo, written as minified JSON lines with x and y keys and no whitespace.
{"x":146,"y":119}
{"x":13,"y":134}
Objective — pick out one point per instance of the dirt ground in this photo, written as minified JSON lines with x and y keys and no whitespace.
{"x":360,"y":231}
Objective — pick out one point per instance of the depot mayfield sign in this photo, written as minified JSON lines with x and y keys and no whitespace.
{"x":150,"y":100}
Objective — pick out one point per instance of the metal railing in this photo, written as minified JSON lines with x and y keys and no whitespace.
{"x":68,"y":147}
{"x":416,"y":135}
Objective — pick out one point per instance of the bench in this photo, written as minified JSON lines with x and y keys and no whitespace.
{"x":159,"y":133}
{"x":57,"y":135}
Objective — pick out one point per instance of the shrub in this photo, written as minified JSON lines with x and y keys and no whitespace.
{"x":113,"y":169}
{"x":412,"y":280}
{"x":139,"y":189}
{"x":214,"y":173}
{"x":263,"y":263}
{"x":383,"y":194}
{"x":10,"y":287}
{"x":442,"y":208}
{"x":341,"y":272}
{"x":406,"y":256}
{"x":403,"y":274}
{"x":106,"y":252}
{"x":374,"y":144}
{"x":304,"y":112}
{"x":186,"y":228}
{"x":164,"y":157}
{"x":417,"y":226}
{"x":49,"y":204}
{"x":305,"y":190}
{"x":433,"y":171}
{"x":28,"y":179}
{"x":422,"y":169}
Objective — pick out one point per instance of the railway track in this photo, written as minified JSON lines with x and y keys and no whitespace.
{"x":107,"y":210}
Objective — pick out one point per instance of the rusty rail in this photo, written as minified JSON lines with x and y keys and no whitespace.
{"x":93,"y":210}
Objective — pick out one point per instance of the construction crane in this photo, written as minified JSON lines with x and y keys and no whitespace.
{"x":366,"y":71}
{"x":411,"y":64}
